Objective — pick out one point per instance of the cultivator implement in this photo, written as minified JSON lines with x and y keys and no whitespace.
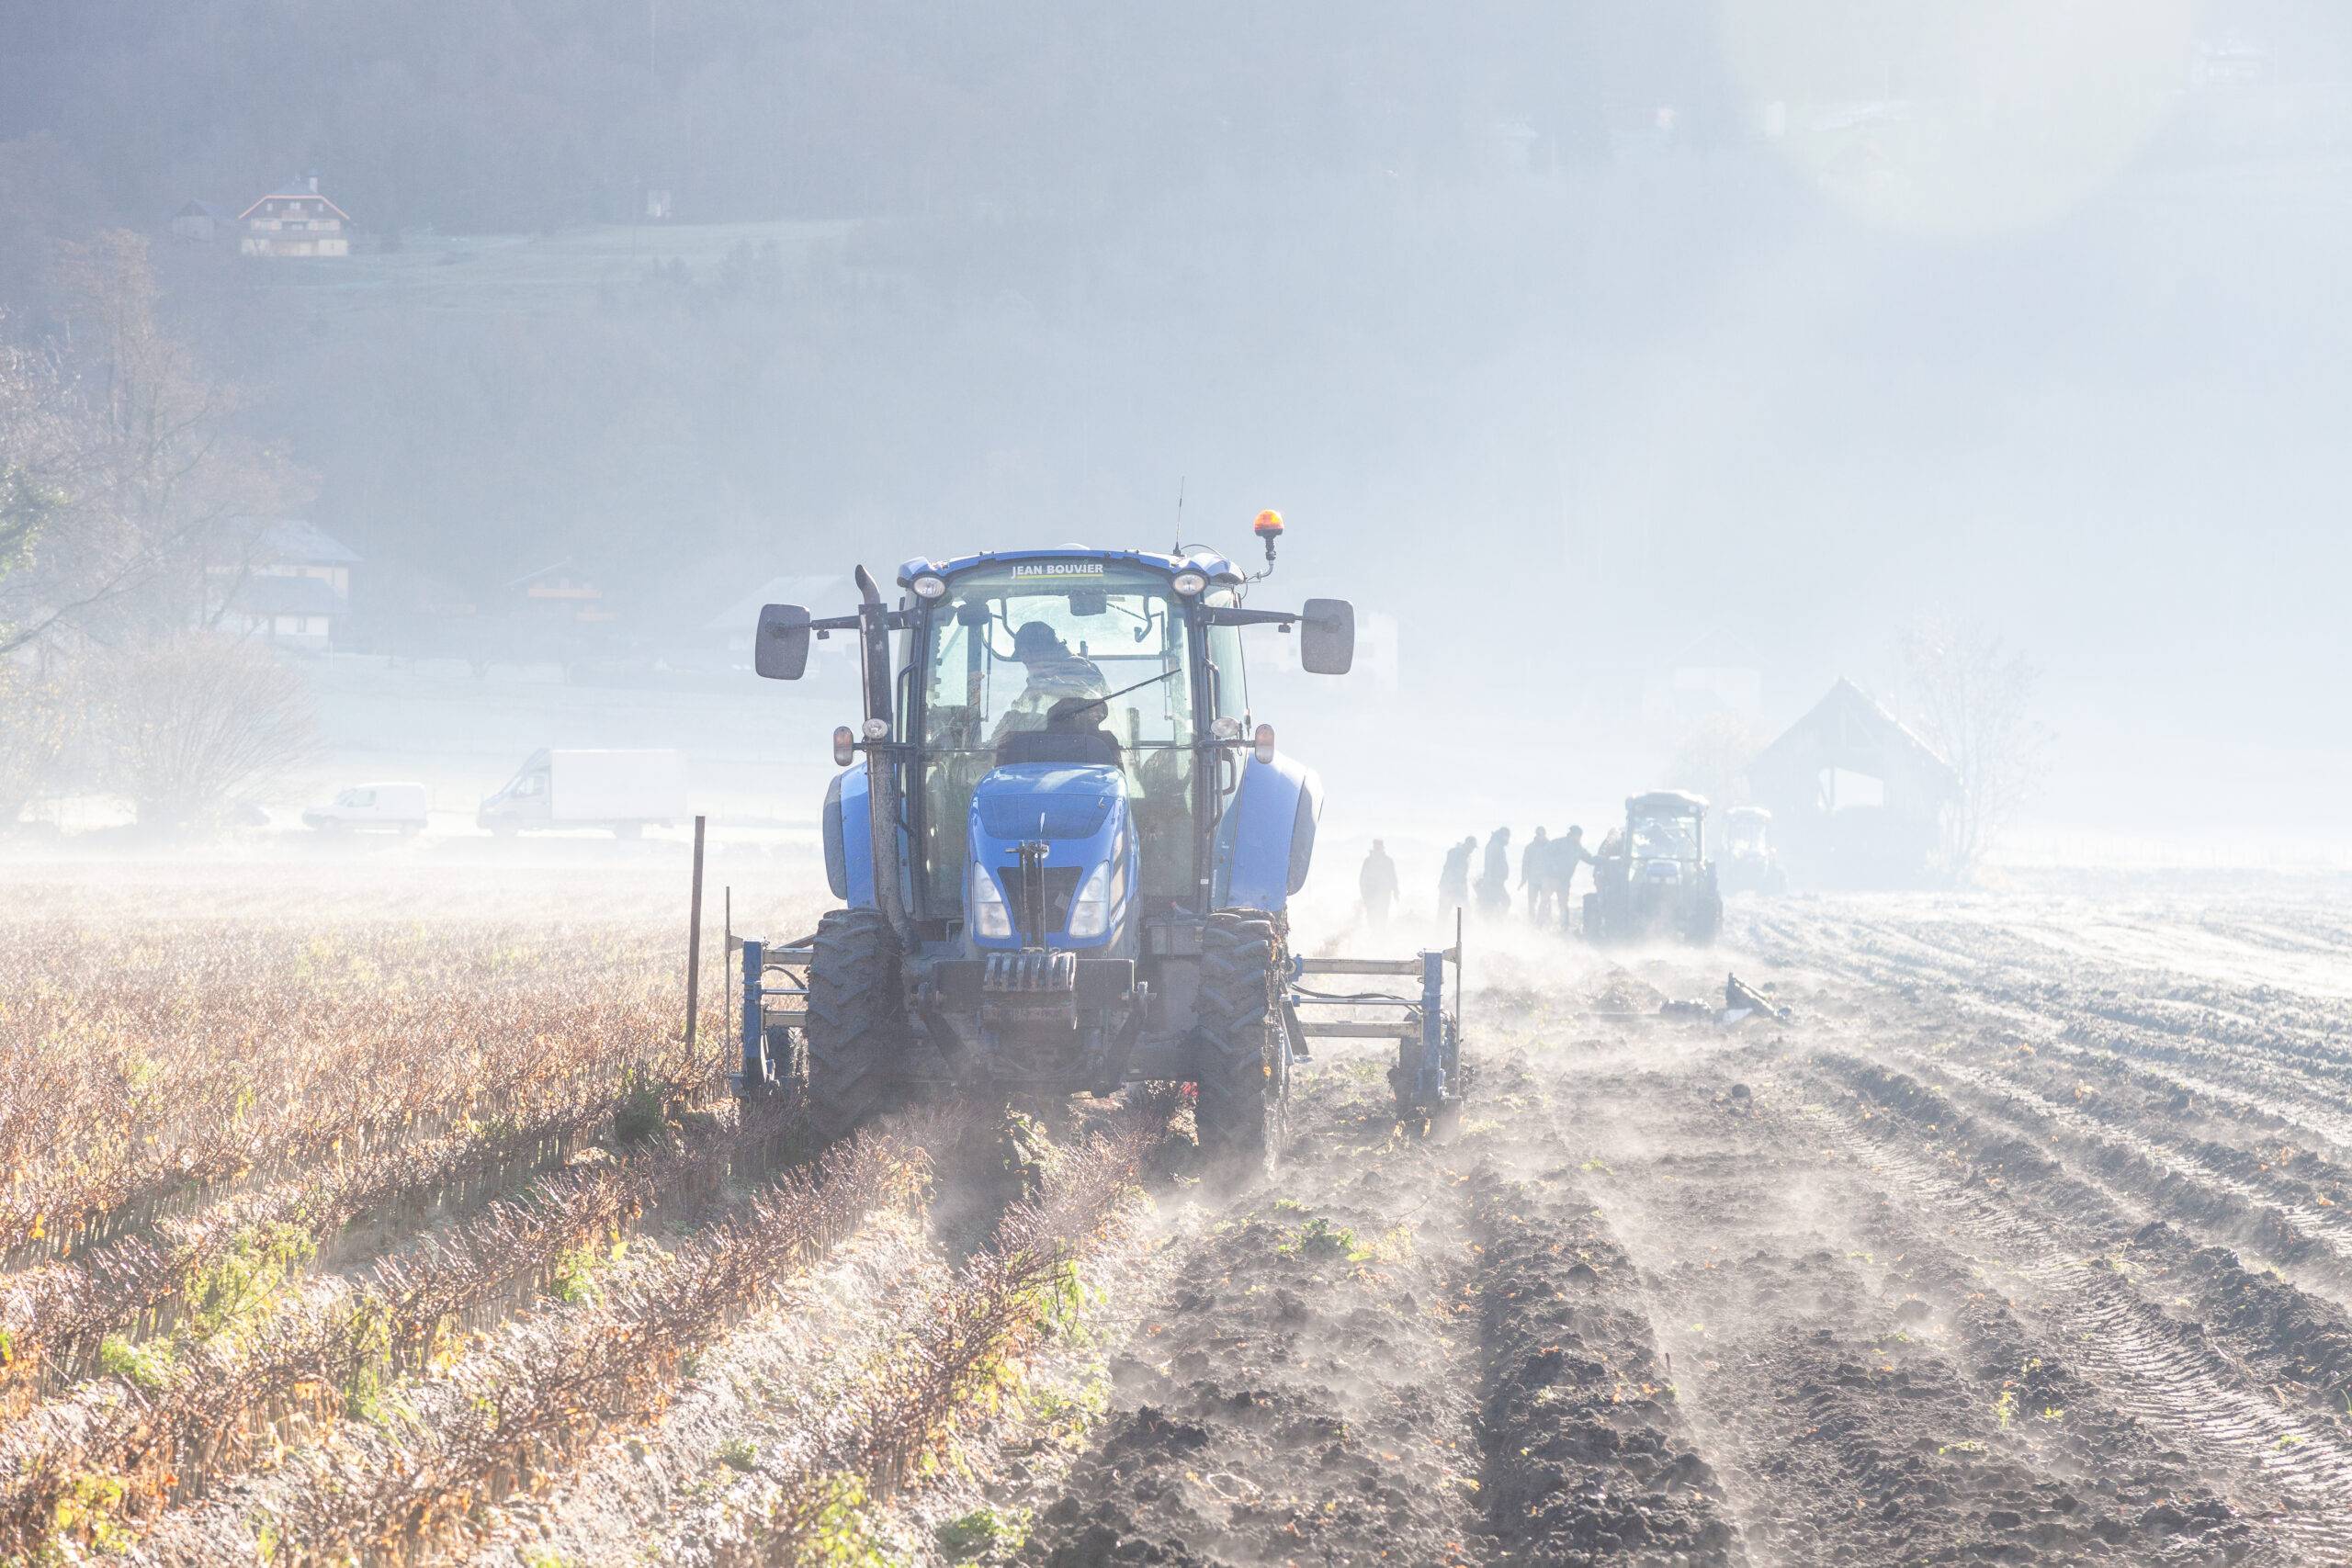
{"x":775,"y":1012}
{"x":1428,"y":1076}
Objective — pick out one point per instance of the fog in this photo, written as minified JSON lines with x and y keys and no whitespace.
{"x":1582,"y":346}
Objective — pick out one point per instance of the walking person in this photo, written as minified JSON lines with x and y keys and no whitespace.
{"x":1453,"y":881}
{"x":1494,"y":879}
{"x":1377,"y":883}
{"x":1535,"y":876}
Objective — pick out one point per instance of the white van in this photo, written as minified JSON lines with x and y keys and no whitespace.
{"x":394,"y":805}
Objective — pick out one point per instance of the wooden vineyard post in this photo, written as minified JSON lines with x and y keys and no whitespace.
{"x":694,"y":947}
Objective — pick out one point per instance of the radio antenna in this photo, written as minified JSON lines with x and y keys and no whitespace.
{"x":1180,"y":516}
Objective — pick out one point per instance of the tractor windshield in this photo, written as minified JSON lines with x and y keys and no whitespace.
{"x":1665,"y":838}
{"x":1084,"y":645}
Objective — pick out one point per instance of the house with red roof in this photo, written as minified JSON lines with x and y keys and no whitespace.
{"x":294,"y":219}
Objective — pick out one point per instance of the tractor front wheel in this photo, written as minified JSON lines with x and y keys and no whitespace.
{"x":856,"y":1025}
{"x":1243,"y":1073}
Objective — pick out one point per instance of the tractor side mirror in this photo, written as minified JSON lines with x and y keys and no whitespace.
{"x":780,"y":650}
{"x":1326,"y":637}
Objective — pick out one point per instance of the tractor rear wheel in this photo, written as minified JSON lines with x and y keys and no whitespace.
{"x":1243,"y":1057}
{"x":856,"y":1025}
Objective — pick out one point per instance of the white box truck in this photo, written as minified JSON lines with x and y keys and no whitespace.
{"x":623,"y":791}
{"x":399,"y":807}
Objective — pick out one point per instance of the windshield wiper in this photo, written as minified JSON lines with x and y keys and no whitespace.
{"x":1139,"y":685}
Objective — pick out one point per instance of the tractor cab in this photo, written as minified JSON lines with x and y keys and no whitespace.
{"x":1747,"y":830}
{"x":1654,"y":878}
{"x":1073,"y":703}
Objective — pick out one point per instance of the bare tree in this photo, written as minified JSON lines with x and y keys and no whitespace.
{"x":1971,"y":698}
{"x":1711,"y":759}
{"x":125,"y":487}
{"x":192,"y":723}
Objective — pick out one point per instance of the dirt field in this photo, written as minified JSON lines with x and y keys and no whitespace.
{"x":2023,"y":1239}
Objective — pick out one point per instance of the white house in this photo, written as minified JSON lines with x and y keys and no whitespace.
{"x":294,"y":219}
{"x":296,"y":589}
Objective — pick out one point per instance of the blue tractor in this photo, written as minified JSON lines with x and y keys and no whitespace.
{"x":1065,"y":851}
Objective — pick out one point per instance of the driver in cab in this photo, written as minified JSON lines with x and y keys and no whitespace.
{"x":1055,"y":672}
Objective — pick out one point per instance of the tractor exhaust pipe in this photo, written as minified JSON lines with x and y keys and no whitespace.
{"x":881,"y":771}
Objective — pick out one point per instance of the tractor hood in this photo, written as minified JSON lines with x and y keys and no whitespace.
{"x":1085,"y":866}
{"x":1043,"y":800}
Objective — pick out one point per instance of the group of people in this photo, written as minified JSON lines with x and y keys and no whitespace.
{"x":1547,"y":873}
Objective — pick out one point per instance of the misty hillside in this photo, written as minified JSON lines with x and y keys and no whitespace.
{"x":1689,"y":320}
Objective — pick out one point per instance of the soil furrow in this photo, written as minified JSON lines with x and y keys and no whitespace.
{"x":2153,"y":1368}
{"x":1304,"y":1391}
{"x":1587,"y":1459}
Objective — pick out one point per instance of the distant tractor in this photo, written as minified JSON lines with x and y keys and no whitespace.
{"x":1751,"y":863}
{"x":1067,"y":853}
{"x":1653,"y":879}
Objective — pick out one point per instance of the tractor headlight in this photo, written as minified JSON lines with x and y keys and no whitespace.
{"x":929,"y":587}
{"x":1090,"y":912}
{"x":875,"y":729}
{"x":1187,"y":583}
{"x":991,"y":917}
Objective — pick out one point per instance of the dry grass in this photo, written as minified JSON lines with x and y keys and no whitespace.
{"x":314,"y":1254}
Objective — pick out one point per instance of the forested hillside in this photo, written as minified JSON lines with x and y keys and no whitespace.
{"x":1553,"y":286}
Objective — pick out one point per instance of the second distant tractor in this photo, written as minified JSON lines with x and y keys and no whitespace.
{"x":1653,"y":880}
{"x":1751,"y":863}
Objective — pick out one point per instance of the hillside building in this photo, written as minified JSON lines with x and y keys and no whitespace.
{"x":296,"y":589}
{"x":199,"y":222}
{"x":294,"y":219}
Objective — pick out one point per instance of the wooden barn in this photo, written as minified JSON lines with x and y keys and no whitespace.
{"x":1857,"y":799}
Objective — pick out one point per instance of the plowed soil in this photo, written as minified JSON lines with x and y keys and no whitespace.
{"x":2023,"y":1239}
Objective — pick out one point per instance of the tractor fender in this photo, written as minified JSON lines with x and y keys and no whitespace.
{"x":1267,"y":839}
{"x":849,"y":839}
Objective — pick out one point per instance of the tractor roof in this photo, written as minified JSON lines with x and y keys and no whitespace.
{"x":1667,"y":803}
{"x":1210,"y":564}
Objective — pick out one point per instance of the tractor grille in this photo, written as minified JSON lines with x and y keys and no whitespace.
{"x":1060,"y":885}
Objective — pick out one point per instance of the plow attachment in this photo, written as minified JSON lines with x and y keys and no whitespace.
{"x":774,"y":1010}
{"x":1428,"y":1076}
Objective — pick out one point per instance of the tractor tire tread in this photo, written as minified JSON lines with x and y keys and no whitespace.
{"x":856,"y":1028}
{"x":1237,"y":1111}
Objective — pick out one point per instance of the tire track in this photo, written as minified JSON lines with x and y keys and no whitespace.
{"x":1835,"y":1361}
{"x":2056,"y":1018}
{"x":2156,"y":1370}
